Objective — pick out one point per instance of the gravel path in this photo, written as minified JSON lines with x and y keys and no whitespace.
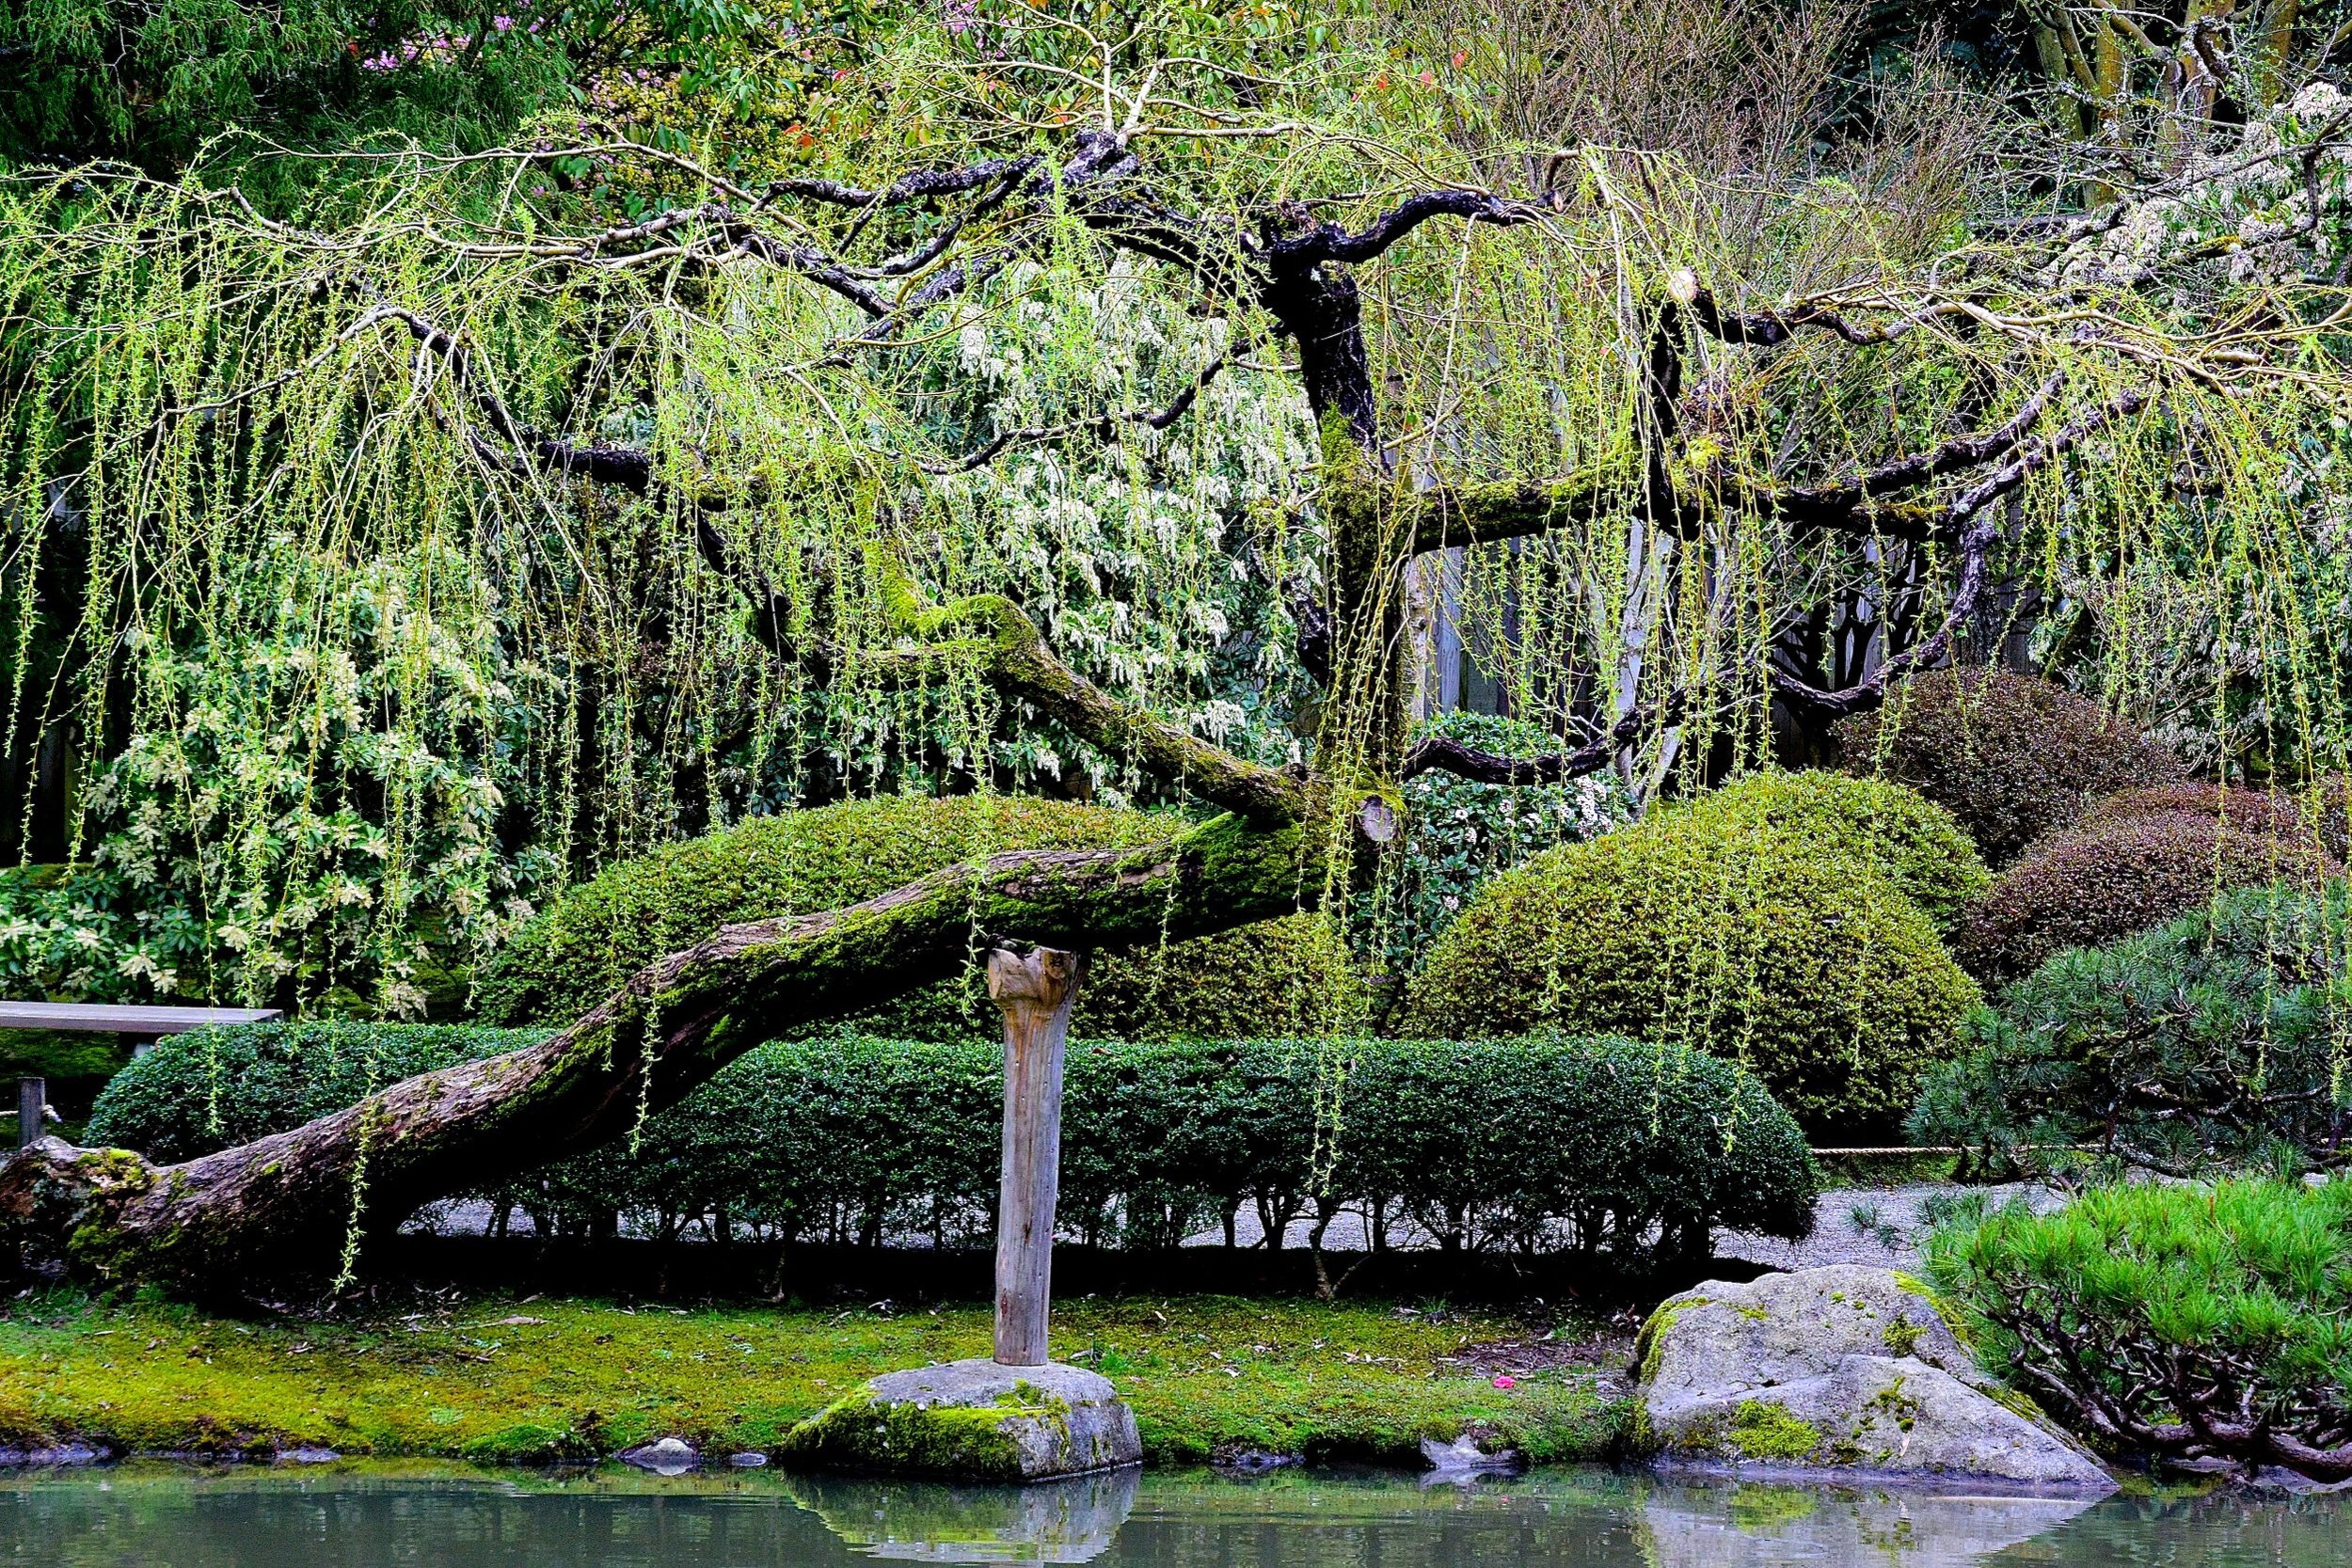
{"x":1878,"y":1225}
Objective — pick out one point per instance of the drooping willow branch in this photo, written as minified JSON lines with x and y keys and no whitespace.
{"x":1297,"y":269}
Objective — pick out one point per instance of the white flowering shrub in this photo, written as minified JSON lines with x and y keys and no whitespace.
{"x":2270,"y":203}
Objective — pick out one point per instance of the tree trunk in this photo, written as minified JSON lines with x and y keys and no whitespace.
{"x":283,"y":1206}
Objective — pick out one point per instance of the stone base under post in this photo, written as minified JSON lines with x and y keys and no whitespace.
{"x":973,"y":1420}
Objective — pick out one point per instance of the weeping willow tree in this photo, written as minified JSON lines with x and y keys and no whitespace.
{"x":990,"y":456}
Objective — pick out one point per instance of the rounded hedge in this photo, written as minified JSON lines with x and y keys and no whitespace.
{"x":1602,"y":1145}
{"x":1907,"y":837}
{"x":2010,"y":757}
{"x":1742,"y":936}
{"x":2138,"y":859}
{"x":211,"y":1088}
{"x":1279,"y":976}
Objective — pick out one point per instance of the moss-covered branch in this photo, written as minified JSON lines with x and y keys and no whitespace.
{"x":1011,"y":652}
{"x":284,"y":1205}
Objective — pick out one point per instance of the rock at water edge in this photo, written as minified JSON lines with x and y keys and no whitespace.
{"x":973,"y":1420}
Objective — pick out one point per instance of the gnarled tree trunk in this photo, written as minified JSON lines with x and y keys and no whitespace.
{"x":283,"y":1206}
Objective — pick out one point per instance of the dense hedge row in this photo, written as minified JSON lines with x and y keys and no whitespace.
{"x":2010,"y":757}
{"x":1769,"y":923}
{"x":1280,"y":976}
{"x":2134,"y":862}
{"x":1602,"y":1145}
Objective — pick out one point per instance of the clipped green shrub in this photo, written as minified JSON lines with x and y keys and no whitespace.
{"x":1738,"y":935}
{"x":2010,"y":757}
{"x":1907,"y":838}
{"x":2174,"y":1322}
{"x":210,"y":1089}
{"x":1279,"y":976}
{"x":2209,"y":1040}
{"x":1600,"y":1145}
{"x":2137,"y":861}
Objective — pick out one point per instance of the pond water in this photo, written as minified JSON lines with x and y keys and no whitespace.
{"x":157,"y":1516}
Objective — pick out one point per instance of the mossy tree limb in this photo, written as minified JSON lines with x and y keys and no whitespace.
{"x":280,"y":1206}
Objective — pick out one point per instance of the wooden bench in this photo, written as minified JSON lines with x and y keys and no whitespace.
{"x":139,"y":1027}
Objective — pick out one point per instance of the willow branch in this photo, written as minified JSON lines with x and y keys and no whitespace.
{"x":1976,"y":541}
{"x":1443,"y":755}
{"x":1847,"y":506}
{"x":1011,"y":653}
{"x":1328,"y":241}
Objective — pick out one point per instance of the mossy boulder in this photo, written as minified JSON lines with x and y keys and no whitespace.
{"x":1737,"y":928}
{"x":1840,"y":1368}
{"x":1278,"y":977}
{"x":975,"y":1422}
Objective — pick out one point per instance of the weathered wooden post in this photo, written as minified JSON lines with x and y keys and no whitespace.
{"x":32,"y":1095}
{"x":1035,"y":990}
{"x":1035,"y":1420}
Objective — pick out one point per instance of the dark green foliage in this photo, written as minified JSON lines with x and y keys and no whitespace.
{"x":210,"y":1088}
{"x":1604,"y":1146}
{"x":2182,"y":1321}
{"x":1280,"y":976}
{"x":2134,"y":862}
{"x":2212,"y":1038}
{"x":1729,"y":928}
{"x":150,"y":80}
{"x":1909,"y":839}
{"x":2012,"y":758}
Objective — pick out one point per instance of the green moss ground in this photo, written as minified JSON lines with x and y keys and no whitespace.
{"x":495,"y":1379}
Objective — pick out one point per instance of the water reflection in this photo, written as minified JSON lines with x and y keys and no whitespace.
{"x":1063,"y":1521}
{"x":157,"y":1516}
{"x":1748,"y":1526}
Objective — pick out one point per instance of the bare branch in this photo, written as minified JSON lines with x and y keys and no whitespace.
{"x":1328,"y":241}
{"x":1442,"y":753}
{"x":1975,"y":549}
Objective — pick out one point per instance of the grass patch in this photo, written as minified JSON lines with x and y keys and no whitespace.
{"x":495,"y":1379}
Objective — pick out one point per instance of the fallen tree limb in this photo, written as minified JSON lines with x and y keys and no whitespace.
{"x":285,"y":1206}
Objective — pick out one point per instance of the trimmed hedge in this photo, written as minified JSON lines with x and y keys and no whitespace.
{"x":1459,"y":833}
{"x":2010,"y":757}
{"x":1604,"y":1145}
{"x":1723,"y":927}
{"x":2137,"y":861}
{"x":2210,"y":1040}
{"x":1280,"y":976}
{"x":1907,"y":838}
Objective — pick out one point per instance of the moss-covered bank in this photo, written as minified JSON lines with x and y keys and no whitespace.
{"x":497,"y":1378}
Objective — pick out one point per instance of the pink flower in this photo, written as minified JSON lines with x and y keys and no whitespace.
{"x":501,"y":24}
{"x":1506,"y":1381}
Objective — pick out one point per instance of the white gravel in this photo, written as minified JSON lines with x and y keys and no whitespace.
{"x":1881,"y":1226}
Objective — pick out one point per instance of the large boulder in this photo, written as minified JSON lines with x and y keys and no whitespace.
{"x":1841,"y":1367}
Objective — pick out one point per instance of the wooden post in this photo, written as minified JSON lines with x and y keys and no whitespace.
{"x":31,"y":1095}
{"x":1034,"y":990}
